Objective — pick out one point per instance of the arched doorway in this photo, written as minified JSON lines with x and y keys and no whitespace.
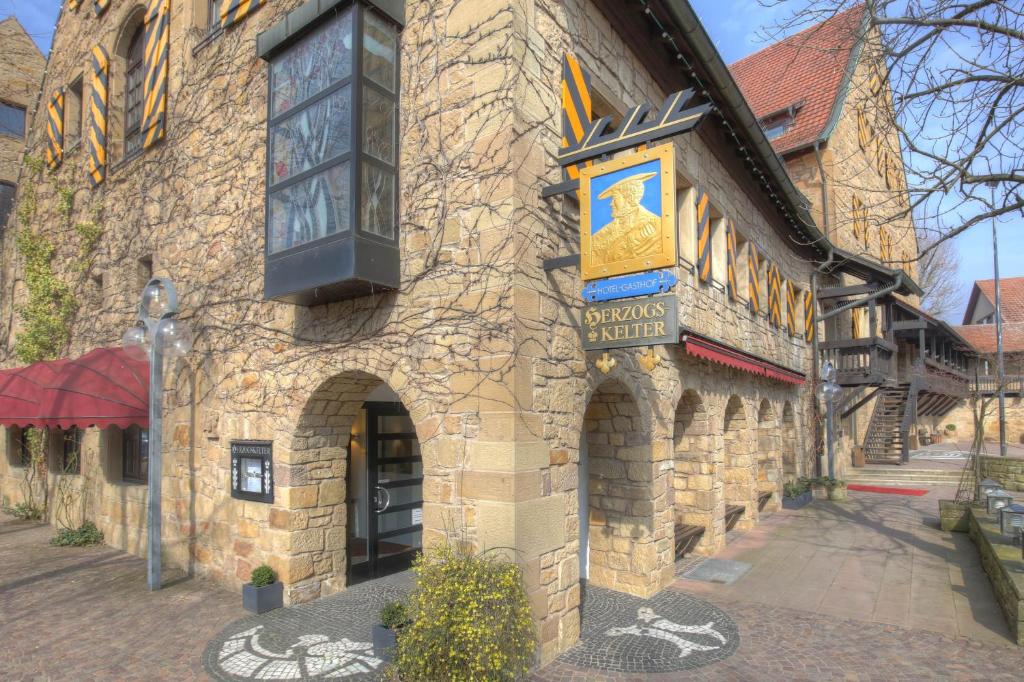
{"x":359,"y":459}
{"x":616,"y":499}
{"x":696,"y":492}
{"x":738,"y":474}
{"x":768,"y":457}
{"x":789,"y":463}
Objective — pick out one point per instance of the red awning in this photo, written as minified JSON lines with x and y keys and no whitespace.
{"x":22,"y":389}
{"x":731,"y":357}
{"x":105,"y":387}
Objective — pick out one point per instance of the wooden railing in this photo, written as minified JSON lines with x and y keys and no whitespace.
{"x":942,"y":379}
{"x":860,"y":362}
{"x":987,"y":384}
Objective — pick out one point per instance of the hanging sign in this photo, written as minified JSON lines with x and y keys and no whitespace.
{"x":628,"y":214}
{"x":627,"y":286}
{"x":636,"y":322}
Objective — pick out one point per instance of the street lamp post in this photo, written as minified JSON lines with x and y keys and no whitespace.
{"x":157,"y":334}
{"x":828,"y":392}
{"x":1000,"y":371}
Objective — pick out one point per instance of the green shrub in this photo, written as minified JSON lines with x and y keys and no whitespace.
{"x":25,"y":511}
{"x":394,"y":615}
{"x":793,"y":490}
{"x":951,"y":427}
{"x":470,"y":620}
{"x":86,"y":534}
{"x":262,"y":576}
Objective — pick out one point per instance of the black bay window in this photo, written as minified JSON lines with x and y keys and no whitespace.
{"x":332,"y":150}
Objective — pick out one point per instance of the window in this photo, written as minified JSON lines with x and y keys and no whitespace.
{"x":73,"y":114}
{"x":12,"y":120}
{"x":19,"y":446}
{"x":332,"y":154}
{"x":686,"y":219}
{"x":742,"y":267}
{"x":134,"y":74}
{"x":718,"y":255}
{"x":775,"y":128}
{"x":213,"y":14}
{"x":143,"y":272}
{"x":71,"y":452}
{"x":135,"y":455}
{"x":6,"y":202}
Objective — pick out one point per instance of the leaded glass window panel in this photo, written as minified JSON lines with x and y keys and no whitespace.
{"x":380,"y":45}
{"x":311,"y":209}
{"x":312,"y":136}
{"x":312,"y":65}
{"x":378,"y":201}
{"x":378,"y":125}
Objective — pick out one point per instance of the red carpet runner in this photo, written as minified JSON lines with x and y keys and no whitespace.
{"x":914,"y":492}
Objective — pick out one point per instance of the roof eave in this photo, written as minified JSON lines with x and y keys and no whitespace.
{"x":690,"y":25}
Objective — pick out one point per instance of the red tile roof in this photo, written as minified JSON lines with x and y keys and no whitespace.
{"x":983,"y":336}
{"x":804,"y":70}
{"x":1011,"y":295}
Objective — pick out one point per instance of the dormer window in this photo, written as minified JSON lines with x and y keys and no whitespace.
{"x":332,"y":153}
{"x":776,"y":127}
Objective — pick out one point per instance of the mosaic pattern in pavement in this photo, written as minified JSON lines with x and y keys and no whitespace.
{"x":326,"y":639}
{"x":669,"y":632}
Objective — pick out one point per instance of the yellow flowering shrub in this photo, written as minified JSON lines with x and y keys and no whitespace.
{"x":470,"y":620}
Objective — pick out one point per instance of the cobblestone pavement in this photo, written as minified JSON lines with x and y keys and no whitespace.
{"x":84,"y":613}
{"x":326,"y":639}
{"x":869,"y":589}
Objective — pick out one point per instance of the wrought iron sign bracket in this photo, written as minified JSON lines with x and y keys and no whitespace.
{"x":641,"y":126}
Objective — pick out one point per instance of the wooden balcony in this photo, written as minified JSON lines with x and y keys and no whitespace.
{"x":989,"y":385}
{"x":861,"y":362}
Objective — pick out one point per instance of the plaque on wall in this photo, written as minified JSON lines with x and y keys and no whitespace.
{"x":252,"y":470}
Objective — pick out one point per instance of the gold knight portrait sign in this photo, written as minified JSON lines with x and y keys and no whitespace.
{"x":628,"y":214}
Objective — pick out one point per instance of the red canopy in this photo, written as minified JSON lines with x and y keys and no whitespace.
{"x":22,"y":390}
{"x":732,"y":357}
{"x":105,"y":387}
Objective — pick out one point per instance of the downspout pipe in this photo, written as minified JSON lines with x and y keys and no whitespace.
{"x":896,"y":284}
{"x":826,"y":227}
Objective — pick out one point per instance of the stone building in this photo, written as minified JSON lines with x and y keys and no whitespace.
{"x":355,"y":203}
{"x":21,"y":70}
{"x":823,"y":98}
{"x":979,"y":330}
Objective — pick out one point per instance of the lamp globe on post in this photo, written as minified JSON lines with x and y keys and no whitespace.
{"x":156,"y":333}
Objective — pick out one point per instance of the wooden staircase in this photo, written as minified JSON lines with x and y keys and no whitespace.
{"x":883,"y":443}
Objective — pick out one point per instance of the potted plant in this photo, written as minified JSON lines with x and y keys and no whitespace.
{"x":263,"y":592}
{"x":950,"y":433}
{"x":796,"y":494}
{"x":393,"y":617}
{"x":836,"y":488}
{"x":924,"y":436}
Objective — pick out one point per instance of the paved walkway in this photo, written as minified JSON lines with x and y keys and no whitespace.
{"x":863,"y":590}
{"x":866,"y":589}
{"x":84,"y":613}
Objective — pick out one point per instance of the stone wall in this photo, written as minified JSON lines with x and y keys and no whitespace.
{"x":1009,"y":471}
{"x":1002,"y":561}
{"x":21,"y":72}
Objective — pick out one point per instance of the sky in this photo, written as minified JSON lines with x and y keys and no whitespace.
{"x":734,"y":26}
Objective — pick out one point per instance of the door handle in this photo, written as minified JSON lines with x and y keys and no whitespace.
{"x":387,"y":499}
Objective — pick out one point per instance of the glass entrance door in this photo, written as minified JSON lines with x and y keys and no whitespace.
{"x":393,"y":531}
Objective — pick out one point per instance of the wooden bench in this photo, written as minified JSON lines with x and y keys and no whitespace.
{"x":733,"y":512}
{"x":687,"y":537}
{"x":762,"y":500}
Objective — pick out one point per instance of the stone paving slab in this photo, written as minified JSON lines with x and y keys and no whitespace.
{"x":85,"y":613}
{"x":779,"y":643}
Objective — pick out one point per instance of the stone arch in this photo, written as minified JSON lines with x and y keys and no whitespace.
{"x":623,"y":495}
{"x":697,"y":495}
{"x":738,"y":471}
{"x":313,"y":482}
{"x":789,"y":460}
{"x":768,"y":455}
